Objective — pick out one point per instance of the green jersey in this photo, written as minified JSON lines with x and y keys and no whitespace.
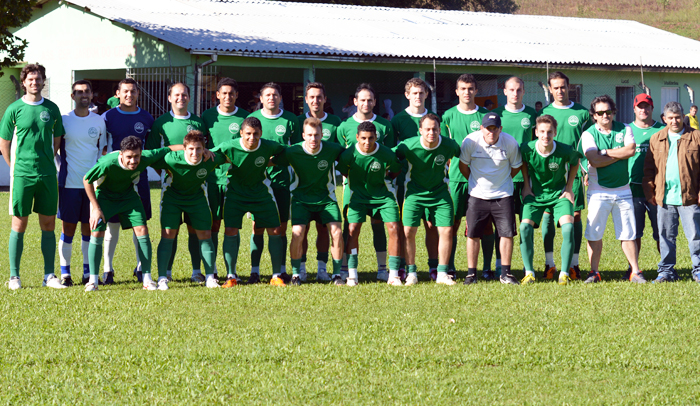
{"x":315,"y":173}
{"x":427,"y":168}
{"x":329,"y":125}
{"x":616,"y":174}
{"x":113,"y":102}
{"x":280,"y":128}
{"x":406,"y":124}
{"x":548,"y":173}
{"x":248,"y":177}
{"x":222,"y":127}
{"x":347,"y":132}
{"x":31,"y":127}
{"x":520,"y":124}
{"x":170,"y":129}
{"x":365,"y":173}
{"x":114,"y":181}
{"x":571,"y":122}
{"x":185,"y":181}
{"x":456,"y":125}
{"x":636,"y":163}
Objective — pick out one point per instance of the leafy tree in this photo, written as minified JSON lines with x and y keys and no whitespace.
{"x":13,"y":13}
{"x":495,"y":6}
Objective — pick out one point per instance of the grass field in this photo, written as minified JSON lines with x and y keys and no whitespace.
{"x":609,"y":343}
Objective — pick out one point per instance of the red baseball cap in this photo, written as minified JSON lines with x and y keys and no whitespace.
{"x":643,"y":97}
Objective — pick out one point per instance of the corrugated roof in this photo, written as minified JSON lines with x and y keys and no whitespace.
{"x":261,"y":26}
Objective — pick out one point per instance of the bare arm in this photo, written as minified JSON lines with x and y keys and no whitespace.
{"x":96,"y":212}
{"x":526,"y":181}
{"x":464,"y":168}
{"x":623,"y":153}
{"x":5,"y":150}
{"x":56,"y":144}
{"x":514,"y":171}
{"x":568,"y":192}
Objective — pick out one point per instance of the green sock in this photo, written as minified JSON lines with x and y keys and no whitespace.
{"x":379,"y":237}
{"x":454,"y":252}
{"x":95,"y":254}
{"x":487,"y":244}
{"x":337,"y":265}
{"x":145,"y":253}
{"x":443,"y":268}
{"x":296,"y":266}
{"x":578,"y":236}
{"x":172,"y":256}
{"x":412,"y":268}
{"x":215,"y":241}
{"x":352,"y":261}
{"x":277,"y":250}
{"x":322,"y":256}
{"x":48,"y":250}
{"x":549,"y":230}
{"x":567,"y":246}
{"x":394,"y":263}
{"x":206,"y":248}
{"x":284,"y":251}
{"x":527,"y":245}
{"x":193,"y":247}
{"x":432,"y":263}
{"x":164,"y":253}
{"x":16,"y":247}
{"x":402,"y":263}
{"x":257,"y":243}
{"x":230,"y":248}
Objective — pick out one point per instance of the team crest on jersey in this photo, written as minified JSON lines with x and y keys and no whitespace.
{"x":322,"y":165}
{"x":375,"y":166}
{"x":553,"y":166}
{"x":93,"y":132}
{"x":202,"y":173}
{"x":234,"y":128}
{"x":573,"y":121}
{"x":259,"y":161}
{"x":190,"y":128}
{"x":45,"y":116}
{"x":474,"y":126}
{"x":525,"y":123}
{"x":138,"y":127}
{"x":280,"y":130}
{"x":440,"y":160}
{"x":619,"y":137}
{"x":326,"y":134}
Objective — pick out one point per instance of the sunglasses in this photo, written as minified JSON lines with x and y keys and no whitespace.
{"x":603,"y":112}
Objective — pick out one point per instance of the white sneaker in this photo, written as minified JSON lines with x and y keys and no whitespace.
{"x":212,"y":283}
{"x":322,"y":276}
{"x":351,"y":282}
{"x":14,"y":283}
{"x":150,"y":285}
{"x":198,"y":277}
{"x":163,"y":283}
{"x":90,"y":287}
{"x":445,"y":280}
{"x":383,"y":275}
{"x":302,"y":275}
{"x":411,"y":279}
{"x":53,"y":282}
{"x":394,"y":281}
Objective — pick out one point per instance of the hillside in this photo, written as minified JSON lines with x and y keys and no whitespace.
{"x":679,"y":16}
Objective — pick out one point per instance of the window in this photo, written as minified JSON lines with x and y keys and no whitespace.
{"x":668,"y":94}
{"x":575,"y":92}
{"x":624,"y":96}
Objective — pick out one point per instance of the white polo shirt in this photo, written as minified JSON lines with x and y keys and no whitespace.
{"x":490,"y":165}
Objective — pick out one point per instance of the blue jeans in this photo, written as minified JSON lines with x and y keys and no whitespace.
{"x":667,"y":217}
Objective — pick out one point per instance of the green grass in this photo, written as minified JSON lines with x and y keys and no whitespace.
{"x":610,"y":343}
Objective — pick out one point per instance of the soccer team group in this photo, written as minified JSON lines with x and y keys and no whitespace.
{"x":487,"y":166}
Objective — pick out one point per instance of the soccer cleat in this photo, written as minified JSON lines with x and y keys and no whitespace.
{"x":163,"y":283}
{"x":212,"y":283}
{"x":254,"y":278}
{"x":67,"y":281}
{"x":411,"y":279}
{"x":593,"y":277}
{"x":394,"y":281}
{"x":286,"y":278}
{"x":138,"y":274}
{"x":198,"y":277}
{"x":508,"y":279}
{"x":575,"y":273}
{"x":488,"y":275}
{"x":14,"y":283}
{"x":351,"y":282}
{"x":230,"y":282}
{"x":550,"y":272}
{"x":433,"y":274}
{"x":445,"y":279}
{"x":302,"y":275}
{"x":337,"y":280}
{"x":696,"y":276}
{"x":322,"y":276}
{"x":52,"y":282}
{"x":564,"y":279}
{"x":150,"y":285}
{"x":277,"y":281}
{"x":90,"y":286}
{"x":452,"y":273}
{"x":637,"y":278}
{"x":296,"y":280}
{"x":383,"y":275}
{"x":528,"y":279}
{"x":628,"y":273}
{"x":108,"y":278}
{"x":470,"y":279}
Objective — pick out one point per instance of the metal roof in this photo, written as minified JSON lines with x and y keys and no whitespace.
{"x":260,"y":26}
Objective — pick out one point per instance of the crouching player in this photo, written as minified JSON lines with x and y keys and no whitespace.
{"x":183,"y":193}
{"x":366,"y":165}
{"x":427,"y":193}
{"x":313,"y":193}
{"x":549,"y":171}
{"x":114,"y":195}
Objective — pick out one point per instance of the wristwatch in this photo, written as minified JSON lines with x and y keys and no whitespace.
{"x":603,"y":152}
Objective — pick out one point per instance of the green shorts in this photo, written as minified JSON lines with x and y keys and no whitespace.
{"x":438,"y":210}
{"x":283,"y":198}
{"x":264,"y":212}
{"x":303,"y":213}
{"x":579,"y":194}
{"x":460,"y":198}
{"x":42,"y":191}
{"x":216,"y":194}
{"x":130,"y":211}
{"x":387,"y":210}
{"x":197,"y":214}
{"x":533,"y":210}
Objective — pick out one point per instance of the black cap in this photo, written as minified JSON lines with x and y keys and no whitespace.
{"x":491,"y":119}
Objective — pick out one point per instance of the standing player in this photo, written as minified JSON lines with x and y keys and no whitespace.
{"x":316,"y":100}
{"x":427,"y":194}
{"x":223,"y":123}
{"x":279,"y":126}
{"x":572,"y":119}
{"x":30,"y":134}
{"x":122,"y":121}
{"x":171,"y":129}
{"x":80,"y":148}
{"x":366,"y":165}
{"x":549,"y":170}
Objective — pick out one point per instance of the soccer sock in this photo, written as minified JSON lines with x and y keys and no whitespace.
{"x":164,"y":253}
{"x":135,"y":239}
{"x":402,"y":263}
{"x":574,"y":258}
{"x":394,"y":264}
{"x":412,"y":269}
{"x":527,"y":246}
{"x":337,"y":265}
{"x":549,"y":258}
{"x":110,"y":243}
{"x":283,"y":258}
{"x":453,"y":253}
{"x":257,"y":243}
{"x":352,"y":265}
{"x":549,"y":230}
{"x":230,"y":248}
{"x":296,"y":265}
{"x":215,"y":241}
{"x":432,"y":263}
{"x":206,"y":248}
{"x":277,"y":251}
{"x":442,"y":270}
{"x":322,"y":257}
{"x":48,"y":250}
{"x":505,"y":269}
{"x":471,"y":271}
{"x":144,"y":252}
{"x":95,"y":255}
{"x":302,"y":265}
{"x":65,"y":249}
{"x":567,"y":246}
{"x":194,"y":247}
{"x":578,"y":238}
{"x":16,"y":246}
{"x":381,"y":261}
{"x":85,"y":248}
{"x":379,"y":237}
{"x":171,"y":261}
{"x":147,"y":278}
{"x":487,"y":244}
{"x":344,"y":264}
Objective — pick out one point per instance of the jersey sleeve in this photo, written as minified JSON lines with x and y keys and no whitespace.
{"x":454,"y":147}
{"x":444,"y":128}
{"x":58,"y":130}
{"x":225,"y":149}
{"x":389,"y":137}
{"x":514,"y":156}
{"x":160,"y":164}
{"x":7,"y":125}
{"x":344,"y":162}
{"x":220,"y":158}
{"x":295,"y":137}
{"x":394,"y":165}
{"x":281,"y":158}
{"x":400,"y":150}
{"x":97,"y":171}
{"x":153,"y":140}
{"x":629,"y":136}
{"x":152,"y":156}
{"x":587,"y":143}
{"x":465,"y":152}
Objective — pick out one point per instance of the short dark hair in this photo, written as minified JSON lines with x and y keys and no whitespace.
{"x":538,"y":102}
{"x":127,"y":81}
{"x":365,"y":86}
{"x":367,"y":126}
{"x":271,"y":85}
{"x":227,"y":82}
{"x":251,"y":122}
{"x":603,"y":99}
{"x":131,"y":143}
{"x":557,"y":75}
{"x":694,"y":107}
{"x":81,"y":82}
{"x":488,"y":102}
{"x":194,"y":136}
{"x":467,"y":78}
{"x":315,"y":85}
{"x":32,"y":68}
{"x":170,"y":89}
{"x":429,"y":116}
{"x":546,"y":118}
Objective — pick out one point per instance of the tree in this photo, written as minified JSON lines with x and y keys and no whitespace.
{"x":13,"y":13}
{"x":494,"y":6}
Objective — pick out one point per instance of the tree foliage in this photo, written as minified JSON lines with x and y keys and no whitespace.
{"x":495,"y":6}
{"x":13,"y":13}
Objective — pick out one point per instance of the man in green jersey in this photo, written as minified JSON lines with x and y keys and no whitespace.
{"x":171,"y":129}
{"x":316,"y":100}
{"x":427,"y":194}
{"x":457,"y":123}
{"x":280,"y":126}
{"x":183,"y":193}
{"x":313,"y":193}
{"x":249,"y":190}
{"x":549,"y":170}
{"x":366,"y":165}
{"x":30,"y":135}
{"x":643,"y":127}
{"x":365,"y":100}
{"x":113,"y":194}
{"x":607,"y":145}
{"x":572,"y":119}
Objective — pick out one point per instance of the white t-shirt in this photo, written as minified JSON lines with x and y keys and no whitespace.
{"x":588,"y":144}
{"x":81,"y":148}
{"x":490,"y":165}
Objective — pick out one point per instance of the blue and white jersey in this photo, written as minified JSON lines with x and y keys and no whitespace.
{"x":121,"y":124}
{"x":80,"y":148}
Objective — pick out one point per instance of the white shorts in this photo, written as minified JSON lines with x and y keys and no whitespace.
{"x":601,"y":205}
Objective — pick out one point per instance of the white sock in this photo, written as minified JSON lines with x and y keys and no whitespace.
{"x":94,"y":279}
{"x":381,"y":260}
{"x":443,"y":274}
{"x":110,"y":245}
{"x":229,"y":276}
{"x":276,"y":275}
{"x":255,"y":269}
{"x":302,"y":267}
{"x":84,"y":248}
{"x":530,"y":273}
{"x":352,"y":273}
{"x":321,"y":266}
{"x":210,"y":276}
{"x":147,"y":278}
{"x":136,"y":250}
{"x":64,"y":252}
{"x":393,"y":273}
{"x":564,"y":272}
{"x":549,"y":258}
{"x":413,"y":273}
{"x":574,"y":260}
